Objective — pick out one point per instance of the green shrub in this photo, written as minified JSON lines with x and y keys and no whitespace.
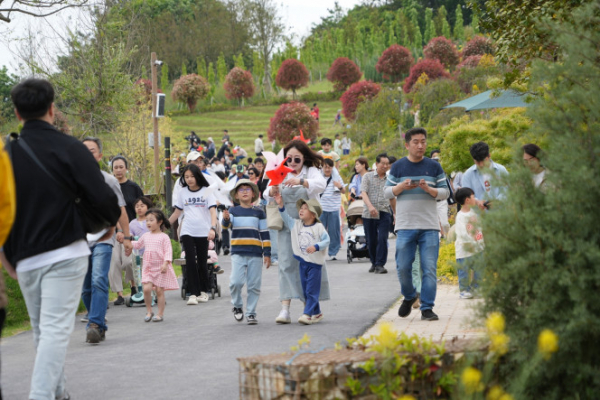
{"x":433,"y":96}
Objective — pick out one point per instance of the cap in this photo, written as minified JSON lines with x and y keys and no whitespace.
{"x":239,"y":168}
{"x":210,"y":140}
{"x":193,"y":156}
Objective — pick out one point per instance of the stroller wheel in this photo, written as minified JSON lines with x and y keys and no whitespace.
{"x":183,"y":292}
{"x":128,"y":302}
{"x":219,"y":290}
{"x":212,"y":293}
{"x":349,"y":256}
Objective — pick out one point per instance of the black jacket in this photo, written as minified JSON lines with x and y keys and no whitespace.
{"x":47,"y":218}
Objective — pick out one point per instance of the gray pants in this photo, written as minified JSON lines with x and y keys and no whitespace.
{"x":416,"y":271}
{"x":118,"y":263}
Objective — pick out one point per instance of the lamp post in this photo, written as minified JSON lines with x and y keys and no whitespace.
{"x":154,"y":66}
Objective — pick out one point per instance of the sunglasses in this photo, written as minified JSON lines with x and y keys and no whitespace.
{"x":250,"y":173}
{"x":244,"y":190}
{"x":295,"y":160}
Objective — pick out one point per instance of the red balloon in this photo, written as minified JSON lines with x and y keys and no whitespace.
{"x":278,"y":174}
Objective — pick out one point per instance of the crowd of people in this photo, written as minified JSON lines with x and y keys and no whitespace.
{"x":294,"y":224}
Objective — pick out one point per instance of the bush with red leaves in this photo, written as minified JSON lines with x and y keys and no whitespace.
{"x":292,"y":75}
{"x":189,"y":89}
{"x":394,"y":62}
{"x":470,"y":62}
{"x":343,"y":73}
{"x":442,"y":49}
{"x":356,"y":94}
{"x":146,"y":87}
{"x":289,"y":119}
{"x":239,"y":84}
{"x":479,"y":46}
{"x":433,"y":68}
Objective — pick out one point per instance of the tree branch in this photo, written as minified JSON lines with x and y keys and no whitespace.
{"x":41,"y":4}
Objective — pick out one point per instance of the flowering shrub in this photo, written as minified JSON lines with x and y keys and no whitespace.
{"x":442,"y":49}
{"x":470,"y":62}
{"x":343,"y":73}
{"x":433,"y":68}
{"x":292,"y":75}
{"x":239,"y":84}
{"x":289,"y":119}
{"x":357,"y":93}
{"x":60,"y":122}
{"x":189,"y":89}
{"x":394,"y":62}
{"x":478,"y":46}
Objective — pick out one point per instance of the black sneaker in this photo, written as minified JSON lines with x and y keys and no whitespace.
{"x":226,"y":251}
{"x":218,"y":270}
{"x":94,"y":334}
{"x":380,"y":270}
{"x":238,"y":314}
{"x":119,"y":301}
{"x":372,"y":269}
{"x":406,"y":307}
{"x":252,"y":320}
{"x":429,"y":315}
{"x":133,"y":290}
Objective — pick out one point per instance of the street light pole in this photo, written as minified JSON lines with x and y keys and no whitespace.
{"x":155,"y":123}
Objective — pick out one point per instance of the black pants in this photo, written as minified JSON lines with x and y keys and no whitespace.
{"x":196,"y":271}
{"x":225,"y":238}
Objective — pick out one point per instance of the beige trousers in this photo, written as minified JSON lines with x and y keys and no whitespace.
{"x":118,"y":262}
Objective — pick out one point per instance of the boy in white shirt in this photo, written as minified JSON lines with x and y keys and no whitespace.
{"x":469,"y":242}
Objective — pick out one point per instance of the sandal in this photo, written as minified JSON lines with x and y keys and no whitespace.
{"x":149,"y":317}
{"x":157,"y":319}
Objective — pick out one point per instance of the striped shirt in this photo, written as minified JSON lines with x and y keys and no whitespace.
{"x":331,"y":199}
{"x":249,"y":233}
{"x":373,"y":186}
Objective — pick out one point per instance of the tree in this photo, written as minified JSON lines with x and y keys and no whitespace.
{"x":164,"y":76}
{"x":267,"y":31}
{"x":189,"y":89}
{"x":201,"y":67}
{"x":239,"y":61}
{"x":183,"y":69}
{"x":431,"y":67}
{"x":343,"y":73}
{"x":221,"y":68}
{"x":7,"y":81}
{"x":478,"y":46}
{"x":36,"y":8}
{"x":289,"y":120}
{"x":444,"y":50}
{"x":394,"y":62}
{"x":292,"y":75}
{"x":239,"y":84}
{"x":212,"y":80}
{"x":459,"y":29}
{"x":429,"y":27}
{"x":356,"y":94}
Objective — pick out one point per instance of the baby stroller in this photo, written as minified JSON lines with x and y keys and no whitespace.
{"x":355,"y":237}
{"x":213,"y":285}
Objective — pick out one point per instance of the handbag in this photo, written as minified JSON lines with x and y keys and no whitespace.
{"x":95,"y":219}
{"x":274,"y":220}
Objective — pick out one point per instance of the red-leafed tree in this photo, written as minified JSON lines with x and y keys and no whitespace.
{"x":479,"y":46}
{"x":343,"y":73}
{"x":394,"y":62}
{"x":239,"y":84}
{"x":292,"y":75}
{"x":356,"y":94}
{"x":433,"y":68}
{"x":189,"y":89}
{"x":469,"y":62}
{"x":289,"y":119}
{"x":442,"y":49}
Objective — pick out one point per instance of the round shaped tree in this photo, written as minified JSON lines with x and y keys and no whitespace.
{"x":469,"y":62}
{"x":189,"y":89}
{"x":442,"y":49}
{"x":289,"y":119}
{"x":343,"y":73}
{"x":432,"y":68}
{"x":239,"y":84}
{"x":356,"y":94}
{"x":394,"y":62}
{"x":292,"y":75}
{"x":478,"y":46}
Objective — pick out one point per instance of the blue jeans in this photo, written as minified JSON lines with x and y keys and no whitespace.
{"x":245,"y":269}
{"x":52,"y":320}
{"x":346,"y":151}
{"x":429,"y":246}
{"x":416,"y":271}
{"x":465,"y":265}
{"x":95,"y":284}
{"x":310,"y":277}
{"x":273,"y":235}
{"x":376,"y":233}
{"x":331,"y":222}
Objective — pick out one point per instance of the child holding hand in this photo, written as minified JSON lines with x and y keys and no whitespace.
{"x":157,"y":273}
{"x":309,"y":243}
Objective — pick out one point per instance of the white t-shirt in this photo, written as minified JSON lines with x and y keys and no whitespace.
{"x":196,"y":209}
{"x":539,"y":178}
{"x":469,"y":240}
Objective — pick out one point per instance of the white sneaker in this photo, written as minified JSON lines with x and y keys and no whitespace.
{"x":283,"y":317}
{"x":203,"y":298}
{"x":192,"y":301}
{"x":316,"y":318}
{"x":466,"y":295}
{"x":305,"y":319}
{"x":331,"y":258}
{"x":274,"y":263}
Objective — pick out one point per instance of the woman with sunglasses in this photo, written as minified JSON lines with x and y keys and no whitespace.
{"x":305,"y":182}
{"x":253,"y":174}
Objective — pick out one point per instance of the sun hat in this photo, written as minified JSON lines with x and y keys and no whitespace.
{"x":210,"y":140}
{"x":313,"y":206}
{"x":193,"y":156}
{"x":246,"y":182}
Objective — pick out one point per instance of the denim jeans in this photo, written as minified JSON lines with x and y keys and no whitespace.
{"x":376,"y":233}
{"x":406,"y":246}
{"x":331,"y":222}
{"x":310,"y":277}
{"x":52,"y":320}
{"x":465,"y":266}
{"x":95,"y":284}
{"x":273,"y":235}
{"x":416,"y":271}
{"x":245,"y":269}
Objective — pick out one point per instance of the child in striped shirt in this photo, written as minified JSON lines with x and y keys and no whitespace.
{"x":250,"y":243}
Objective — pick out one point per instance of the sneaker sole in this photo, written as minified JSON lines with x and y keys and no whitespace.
{"x":252,"y":322}
{"x":436,"y":318}
{"x":283,"y":321}
{"x":409,"y":308}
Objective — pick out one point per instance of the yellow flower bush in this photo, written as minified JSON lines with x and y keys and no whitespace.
{"x":406,"y":397}
{"x":547,"y":343}
{"x":495,"y":323}
{"x":499,"y":343}
{"x":471,"y":380}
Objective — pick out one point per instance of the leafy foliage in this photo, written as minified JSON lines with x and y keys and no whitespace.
{"x":239,"y":84}
{"x":479,"y":46}
{"x":433,"y":96}
{"x":356,"y":94}
{"x":343,"y":73}
{"x":442,"y":49}
{"x":469,"y":62}
{"x":432,"y":68}
{"x":292,"y":75}
{"x":394,"y":62}
{"x":289,"y":119}
{"x":189,"y":89}
{"x":7,"y":81}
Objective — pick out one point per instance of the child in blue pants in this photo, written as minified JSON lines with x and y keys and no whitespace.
{"x":309,"y":243}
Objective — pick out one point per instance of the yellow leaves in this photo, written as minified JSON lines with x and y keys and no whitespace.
{"x":423,"y":79}
{"x":487,"y":60}
{"x":305,"y":340}
{"x":499,"y":343}
{"x":497,"y":393}
{"x":495,"y":323}
{"x":406,"y":397}
{"x":471,"y":380}
{"x":547,"y":343}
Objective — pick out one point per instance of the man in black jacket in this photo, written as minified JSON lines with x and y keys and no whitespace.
{"x":47,"y":244}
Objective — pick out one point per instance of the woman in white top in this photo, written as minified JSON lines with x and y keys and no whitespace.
{"x":305,"y":182}
{"x":531,"y":159}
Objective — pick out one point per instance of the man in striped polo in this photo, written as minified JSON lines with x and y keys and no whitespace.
{"x":417,"y":182}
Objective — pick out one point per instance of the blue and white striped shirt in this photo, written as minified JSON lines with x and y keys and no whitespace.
{"x":249,"y":233}
{"x":331,"y":200}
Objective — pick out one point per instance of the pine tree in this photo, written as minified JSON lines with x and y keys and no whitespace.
{"x":459,"y":29}
{"x":239,"y":61}
{"x":475,"y":22}
{"x":221,"y":68}
{"x":212,"y":79}
{"x":201,"y":67}
{"x":429,"y":27}
{"x":258,"y":68}
{"x":144,"y":72}
{"x":164,"y":77}
{"x":441,"y":16}
{"x":446,"y":29}
{"x":183,"y":69}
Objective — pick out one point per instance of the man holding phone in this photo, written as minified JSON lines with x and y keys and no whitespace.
{"x":416,"y":182}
